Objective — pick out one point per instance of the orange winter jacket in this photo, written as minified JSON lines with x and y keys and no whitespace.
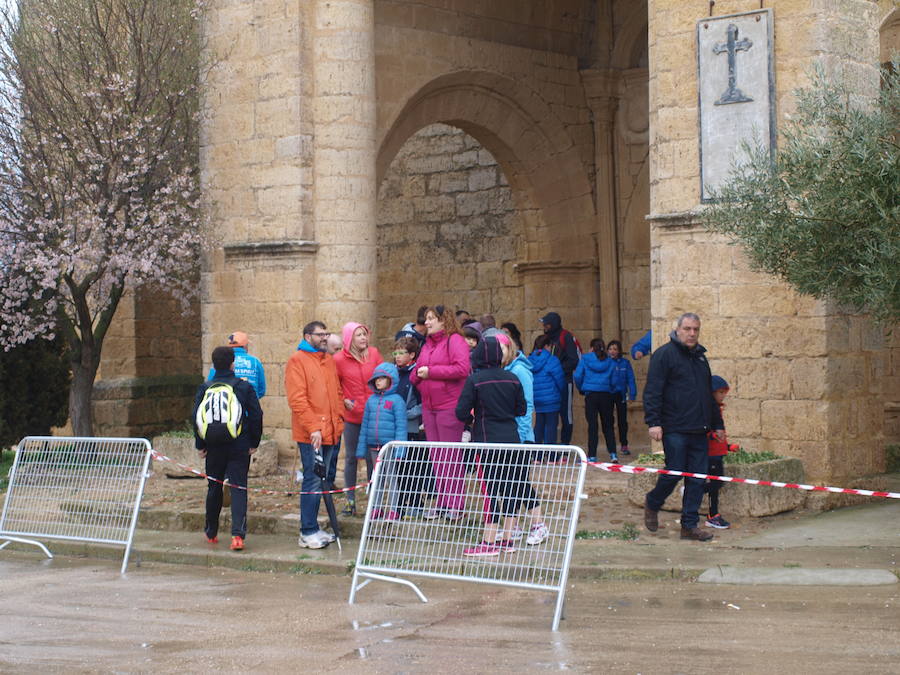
{"x":314,"y":395}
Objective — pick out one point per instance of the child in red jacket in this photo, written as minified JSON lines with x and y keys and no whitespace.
{"x":717,"y":451}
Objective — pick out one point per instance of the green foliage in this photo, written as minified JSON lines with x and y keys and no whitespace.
{"x":825,"y":215}
{"x":34,"y":389}
{"x":629,"y":532}
{"x":892,"y":457}
{"x":739,"y":457}
{"x":6,"y":462}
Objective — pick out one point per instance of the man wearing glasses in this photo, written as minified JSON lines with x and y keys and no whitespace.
{"x":314,"y":395}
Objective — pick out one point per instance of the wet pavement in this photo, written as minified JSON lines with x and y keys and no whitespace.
{"x":81,"y":616}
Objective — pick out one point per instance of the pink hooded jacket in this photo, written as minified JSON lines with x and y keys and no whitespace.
{"x":354,"y":376}
{"x":448,"y":364}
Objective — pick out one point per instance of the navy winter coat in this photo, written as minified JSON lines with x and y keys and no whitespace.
{"x":384,"y":418}
{"x":678,"y":394}
{"x":495,"y":395}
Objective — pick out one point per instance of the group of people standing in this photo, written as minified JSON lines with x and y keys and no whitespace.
{"x":456,"y":379}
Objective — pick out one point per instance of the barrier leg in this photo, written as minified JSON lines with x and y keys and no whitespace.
{"x":25,"y":541}
{"x":383,"y":577}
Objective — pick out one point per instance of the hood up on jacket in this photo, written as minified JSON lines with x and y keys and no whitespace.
{"x":553,"y":320}
{"x":538,"y":359}
{"x":388,"y":370}
{"x":347,"y":334}
{"x":487,"y":353}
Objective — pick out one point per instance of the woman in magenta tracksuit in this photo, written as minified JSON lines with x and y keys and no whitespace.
{"x":441,"y":371}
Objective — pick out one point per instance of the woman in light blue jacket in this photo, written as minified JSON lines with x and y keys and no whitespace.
{"x":595,"y":379}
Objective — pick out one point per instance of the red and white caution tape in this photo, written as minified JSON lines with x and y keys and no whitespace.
{"x":162,"y":458}
{"x":625,"y":468}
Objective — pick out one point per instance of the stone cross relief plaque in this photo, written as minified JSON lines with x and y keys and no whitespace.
{"x":736,"y":82}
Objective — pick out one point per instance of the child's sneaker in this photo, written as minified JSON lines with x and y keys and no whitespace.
{"x":625,"y":450}
{"x":483,"y":549}
{"x":393,"y":515}
{"x":515,"y":535}
{"x":350,"y":509}
{"x":717,"y":522}
{"x":506,"y":545}
{"x":433,"y":514}
{"x":376,"y":514}
{"x":614,"y":458}
{"x":237,"y":543}
{"x":538,"y":533}
{"x":592,"y":460}
{"x":212,"y":540}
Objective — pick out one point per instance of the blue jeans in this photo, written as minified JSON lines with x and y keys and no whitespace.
{"x":545,"y":427}
{"x":309,"y":504}
{"x":684,"y":452}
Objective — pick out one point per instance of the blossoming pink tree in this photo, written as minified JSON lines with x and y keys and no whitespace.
{"x":99,"y":183}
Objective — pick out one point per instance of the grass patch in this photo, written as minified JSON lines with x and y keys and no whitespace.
{"x":629,"y":532}
{"x":892,"y":458}
{"x":792,"y":564}
{"x":739,"y":457}
{"x":6,"y":462}
{"x":300,"y":568}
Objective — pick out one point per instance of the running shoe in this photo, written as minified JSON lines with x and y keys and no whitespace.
{"x":717,"y":522}
{"x":506,"y":545}
{"x":515,"y":535}
{"x":483,"y":549}
{"x":538,"y":533}
{"x":237,"y":543}
{"x":614,"y":458}
{"x":625,"y":450}
{"x":392,"y":516}
{"x":376,"y":514}
{"x":433,"y":514}
{"x":212,"y":540}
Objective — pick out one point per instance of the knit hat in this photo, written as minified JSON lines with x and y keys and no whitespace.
{"x":238,"y":339}
{"x":719,"y":382}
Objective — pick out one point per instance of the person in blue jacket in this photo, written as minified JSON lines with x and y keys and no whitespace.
{"x":246,"y":366}
{"x":594,"y":379}
{"x":625,"y":389}
{"x":384,"y":420}
{"x":549,"y":383}
{"x":642,"y":347}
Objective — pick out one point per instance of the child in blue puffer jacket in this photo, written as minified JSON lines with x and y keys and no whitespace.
{"x":626,"y":390}
{"x":594,"y":378}
{"x":549,"y":383}
{"x":384,"y":420}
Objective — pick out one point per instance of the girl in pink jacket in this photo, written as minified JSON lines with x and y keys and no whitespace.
{"x":441,"y":371}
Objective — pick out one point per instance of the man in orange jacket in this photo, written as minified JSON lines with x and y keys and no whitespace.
{"x":314,"y":394}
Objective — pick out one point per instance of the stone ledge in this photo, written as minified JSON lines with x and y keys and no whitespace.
{"x":263,"y":462}
{"x":737,"y":499}
{"x":270,"y":249}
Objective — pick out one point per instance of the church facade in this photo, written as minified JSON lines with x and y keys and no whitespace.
{"x":364,"y":157}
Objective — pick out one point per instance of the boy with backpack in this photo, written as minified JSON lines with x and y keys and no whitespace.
{"x":227,"y":422}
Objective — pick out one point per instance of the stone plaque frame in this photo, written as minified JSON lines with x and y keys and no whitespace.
{"x":727,"y":116}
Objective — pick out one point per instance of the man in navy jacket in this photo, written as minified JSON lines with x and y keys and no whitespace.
{"x":680,"y":411}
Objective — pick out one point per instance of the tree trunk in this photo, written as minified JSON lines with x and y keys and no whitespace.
{"x":80,"y":393}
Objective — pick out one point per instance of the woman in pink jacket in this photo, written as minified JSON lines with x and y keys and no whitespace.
{"x":355,"y":364}
{"x":442,"y":368}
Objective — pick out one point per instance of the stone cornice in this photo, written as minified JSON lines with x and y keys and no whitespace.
{"x":675,"y":219}
{"x":270,"y":249}
{"x":554,"y":266}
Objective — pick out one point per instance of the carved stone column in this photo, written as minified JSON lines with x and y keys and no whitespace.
{"x":344,"y":160}
{"x":601,"y":87}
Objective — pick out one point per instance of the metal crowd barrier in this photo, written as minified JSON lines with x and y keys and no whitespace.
{"x":82,"y":489}
{"x":430,"y":503}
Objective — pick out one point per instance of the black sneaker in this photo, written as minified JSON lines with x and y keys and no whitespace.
{"x":717,"y":522}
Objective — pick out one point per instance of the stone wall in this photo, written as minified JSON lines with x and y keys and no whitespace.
{"x":806,"y":380}
{"x":448,"y":232}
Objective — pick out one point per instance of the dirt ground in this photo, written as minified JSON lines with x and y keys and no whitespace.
{"x":77,"y":617}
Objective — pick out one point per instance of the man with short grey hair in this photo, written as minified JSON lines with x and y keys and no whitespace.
{"x":680,"y":411}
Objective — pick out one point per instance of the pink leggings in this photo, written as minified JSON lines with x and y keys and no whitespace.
{"x":447,"y":463}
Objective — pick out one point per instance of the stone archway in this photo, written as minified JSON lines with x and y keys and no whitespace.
{"x":548,"y":177}
{"x":448,"y":231}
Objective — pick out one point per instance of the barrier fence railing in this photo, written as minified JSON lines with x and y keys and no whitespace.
{"x":487,"y":513}
{"x":82,"y":489}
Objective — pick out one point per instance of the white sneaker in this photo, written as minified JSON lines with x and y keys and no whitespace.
{"x":315,"y":540}
{"x":329,"y":536}
{"x":515,"y":535}
{"x":538,"y":533}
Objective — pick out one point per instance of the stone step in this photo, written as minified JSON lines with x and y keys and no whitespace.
{"x":162,"y":520}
